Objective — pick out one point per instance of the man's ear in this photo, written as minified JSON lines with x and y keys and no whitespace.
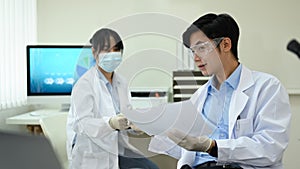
{"x":226,"y":44}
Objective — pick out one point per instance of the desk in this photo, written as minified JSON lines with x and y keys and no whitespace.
{"x":32,"y":119}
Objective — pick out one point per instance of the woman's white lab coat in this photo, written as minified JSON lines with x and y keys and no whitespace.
{"x":259,"y":121}
{"x":91,"y":108}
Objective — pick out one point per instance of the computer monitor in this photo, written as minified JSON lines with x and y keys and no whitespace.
{"x":52,"y":70}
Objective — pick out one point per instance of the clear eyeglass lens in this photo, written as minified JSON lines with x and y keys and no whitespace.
{"x":204,"y":48}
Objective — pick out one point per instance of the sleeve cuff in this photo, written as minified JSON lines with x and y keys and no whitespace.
{"x":214,"y":150}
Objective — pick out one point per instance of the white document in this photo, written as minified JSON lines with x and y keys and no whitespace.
{"x":159,"y":120}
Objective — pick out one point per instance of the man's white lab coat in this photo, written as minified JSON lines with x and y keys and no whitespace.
{"x":259,"y":121}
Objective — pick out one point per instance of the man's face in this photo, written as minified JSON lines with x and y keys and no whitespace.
{"x":205,"y":53}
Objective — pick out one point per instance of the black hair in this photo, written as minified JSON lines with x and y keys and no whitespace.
{"x":215,"y":26}
{"x":101,"y":37}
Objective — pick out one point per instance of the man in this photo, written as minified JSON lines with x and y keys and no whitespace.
{"x":249,"y":110}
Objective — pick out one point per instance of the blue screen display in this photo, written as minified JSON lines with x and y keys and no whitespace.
{"x":54,"y":70}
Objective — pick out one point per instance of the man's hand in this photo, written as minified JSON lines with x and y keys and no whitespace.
{"x":202,"y":143}
{"x":135,"y":129}
{"x":119,"y":122}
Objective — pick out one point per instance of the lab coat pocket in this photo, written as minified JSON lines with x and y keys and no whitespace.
{"x":244,"y":127}
{"x":95,"y":160}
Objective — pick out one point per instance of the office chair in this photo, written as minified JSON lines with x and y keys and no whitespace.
{"x":54,"y":128}
{"x":26,"y":151}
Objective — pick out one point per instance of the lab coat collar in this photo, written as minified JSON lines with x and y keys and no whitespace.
{"x":115,"y":79}
{"x":246,"y":79}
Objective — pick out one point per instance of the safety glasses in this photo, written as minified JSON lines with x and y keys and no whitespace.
{"x":205,"y":48}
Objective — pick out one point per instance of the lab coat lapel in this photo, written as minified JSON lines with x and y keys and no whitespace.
{"x":103,"y":97}
{"x":122,"y":89}
{"x":199,"y":98}
{"x":122,"y":92}
{"x":239,"y":98}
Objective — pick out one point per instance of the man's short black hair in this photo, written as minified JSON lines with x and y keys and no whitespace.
{"x":215,"y":26}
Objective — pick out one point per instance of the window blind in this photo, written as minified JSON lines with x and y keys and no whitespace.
{"x":17,"y":29}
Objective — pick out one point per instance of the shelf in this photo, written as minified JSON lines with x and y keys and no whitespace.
{"x":187,"y":87}
{"x":191,"y":78}
{"x":186,"y":83}
{"x":182,"y":95}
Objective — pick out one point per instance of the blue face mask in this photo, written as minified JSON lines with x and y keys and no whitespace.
{"x":110,"y":61}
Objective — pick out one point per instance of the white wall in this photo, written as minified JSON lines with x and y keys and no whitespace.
{"x":291,"y":156}
{"x":266,"y":27}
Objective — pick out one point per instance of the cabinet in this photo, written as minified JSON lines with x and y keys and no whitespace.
{"x":185,"y":83}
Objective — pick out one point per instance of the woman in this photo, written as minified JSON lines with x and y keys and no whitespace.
{"x":97,"y":130}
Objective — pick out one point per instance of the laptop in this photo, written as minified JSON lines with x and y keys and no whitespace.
{"x":24,"y":151}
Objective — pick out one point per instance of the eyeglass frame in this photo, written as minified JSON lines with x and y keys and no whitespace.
{"x":216,"y":41}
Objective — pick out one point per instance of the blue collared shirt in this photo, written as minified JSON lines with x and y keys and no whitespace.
{"x":216,"y":109}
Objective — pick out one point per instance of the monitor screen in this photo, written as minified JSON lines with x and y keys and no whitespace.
{"x":52,"y":70}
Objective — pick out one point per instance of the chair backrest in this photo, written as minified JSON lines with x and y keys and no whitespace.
{"x":54,"y":128}
{"x":19,"y":150}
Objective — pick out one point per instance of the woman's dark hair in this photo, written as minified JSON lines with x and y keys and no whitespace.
{"x":215,"y":26}
{"x":101,"y":37}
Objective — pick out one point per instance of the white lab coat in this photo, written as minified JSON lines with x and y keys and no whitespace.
{"x":91,"y":108}
{"x":258,"y":139}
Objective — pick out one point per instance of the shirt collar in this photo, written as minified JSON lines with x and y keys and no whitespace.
{"x":102,"y":77}
{"x":232,"y":80}
{"x":114,"y":78}
{"x":211,"y":83}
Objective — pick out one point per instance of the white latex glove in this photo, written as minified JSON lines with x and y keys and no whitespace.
{"x":202,"y":143}
{"x":135,"y":129}
{"x":119,"y":122}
